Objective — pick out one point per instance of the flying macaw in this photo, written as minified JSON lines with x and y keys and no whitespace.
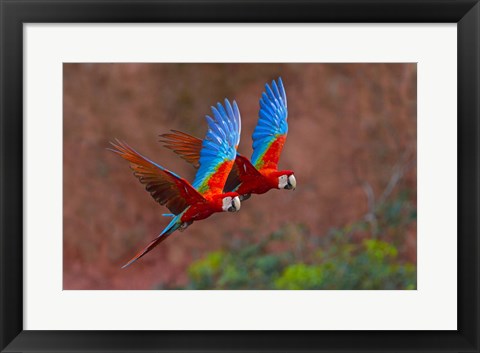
{"x":196,"y":201}
{"x":260,"y":174}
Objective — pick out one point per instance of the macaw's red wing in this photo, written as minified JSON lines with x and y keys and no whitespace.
{"x":188,"y":147}
{"x":240,"y":170}
{"x":166,"y":187}
{"x":271,"y":156}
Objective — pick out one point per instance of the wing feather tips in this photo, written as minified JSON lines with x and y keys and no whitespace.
{"x":275,"y":89}
{"x":230,"y":123}
{"x":213,"y":124}
{"x":226,"y":125}
{"x":223,"y":120}
{"x":186,"y":146}
{"x":282,"y":92}
{"x":218,"y":147}
{"x":238,"y":123}
{"x":166,"y":187}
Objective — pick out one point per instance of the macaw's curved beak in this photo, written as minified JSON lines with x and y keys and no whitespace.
{"x":235,"y":204}
{"x":291,"y":183}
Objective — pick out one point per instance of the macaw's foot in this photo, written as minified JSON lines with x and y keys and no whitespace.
{"x":245,"y":197}
{"x":184,"y":226}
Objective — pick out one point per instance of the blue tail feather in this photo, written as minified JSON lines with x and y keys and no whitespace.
{"x":172,"y":226}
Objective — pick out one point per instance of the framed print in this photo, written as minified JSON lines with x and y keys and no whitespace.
{"x":314,"y":166}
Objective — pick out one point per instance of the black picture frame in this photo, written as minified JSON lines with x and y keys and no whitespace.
{"x":15,"y":13}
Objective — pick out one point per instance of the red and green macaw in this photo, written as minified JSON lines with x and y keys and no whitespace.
{"x":260,"y":174}
{"x":205,"y":196}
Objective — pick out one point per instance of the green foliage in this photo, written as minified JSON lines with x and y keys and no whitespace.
{"x":205,"y":269}
{"x":249,"y":267}
{"x":351,"y":257}
{"x":300,"y":276}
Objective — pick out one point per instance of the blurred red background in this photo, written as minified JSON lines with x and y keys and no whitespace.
{"x":352,"y":131}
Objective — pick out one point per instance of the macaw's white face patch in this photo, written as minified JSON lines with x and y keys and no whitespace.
{"x":282,"y":181}
{"x":231,"y":205}
{"x":226,"y":203}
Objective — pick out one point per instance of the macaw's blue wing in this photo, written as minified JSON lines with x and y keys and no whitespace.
{"x":188,"y":147}
{"x":272,"y":127}
{"x":166,"y":187}
{"x":219,"y":148}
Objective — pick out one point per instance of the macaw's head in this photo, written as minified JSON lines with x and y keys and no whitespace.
{"x":230,"y":202}
{"x":286,"y":180}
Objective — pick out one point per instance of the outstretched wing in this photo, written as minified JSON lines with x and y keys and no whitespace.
{"x":219,"y":149}
{"x":188,"y":147}
{"x":272,"y":127}
{"x":166,"y":187}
